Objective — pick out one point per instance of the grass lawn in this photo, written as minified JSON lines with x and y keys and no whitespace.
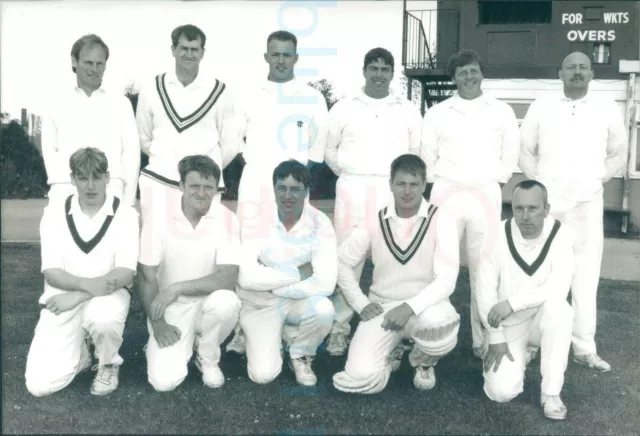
{"x":598,"y":403}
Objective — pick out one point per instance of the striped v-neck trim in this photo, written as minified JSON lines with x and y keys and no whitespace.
{"x":181,"y":124}
{"x":404,"y":256}
{"x":530,"y":269}
{"x":87,"y":246}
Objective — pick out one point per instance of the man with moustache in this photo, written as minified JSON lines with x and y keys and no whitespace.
{"x":470,"y":143}
{"x":283,"y":119}
{"x":188,"y":268}
{"x":183,"y":112}
{"x":573,"y":142}
{"x":413,"y":246}
{"x":90,"y":116}
{"x":522,"y":293}
{"x":366,"y":133}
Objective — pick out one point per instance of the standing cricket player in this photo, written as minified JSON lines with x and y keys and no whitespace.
{"x":89,"y":245}
{"x":90,"y":116}
{"x":286,"y":275}
{"x":366,"y":133}
{"x":573,"y":143}
{"x":470,"y":143}
{"x":283,"y":119}
{"x":188,"y":268}
{"x":183,"y":112}
{"x":413,"y":247}
{"x":522,"y":293}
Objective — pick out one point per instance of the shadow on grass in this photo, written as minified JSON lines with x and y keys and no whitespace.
{"x":598,"y":403}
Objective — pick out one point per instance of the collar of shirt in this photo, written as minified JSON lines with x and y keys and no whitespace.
{"x":289,"y":87}
{"x":105,"y":210}
{"x":518,"y":239}
{"x":458,"y":103}
{"x":423,"y":211}
{"x":389,"y":99}
{"x":306,"y":220}
{"x":584,"y":100}
{"x":80,"y":91}
{"x":198,"y":82}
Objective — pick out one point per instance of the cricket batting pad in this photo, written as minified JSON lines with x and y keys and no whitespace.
{"x":438,"y":339}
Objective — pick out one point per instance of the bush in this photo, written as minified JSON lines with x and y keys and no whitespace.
{"x":22,"y":168}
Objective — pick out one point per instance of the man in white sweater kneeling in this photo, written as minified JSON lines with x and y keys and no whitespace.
{"x":414,"y":248}
{"x":522,"y":293}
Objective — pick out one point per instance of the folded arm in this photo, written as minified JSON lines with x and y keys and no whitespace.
{"x":617,"y":145}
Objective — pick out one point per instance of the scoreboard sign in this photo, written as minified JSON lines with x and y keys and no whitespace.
{"x":593,"y":35}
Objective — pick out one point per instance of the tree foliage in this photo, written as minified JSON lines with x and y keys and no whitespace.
{"x":23,"y":172}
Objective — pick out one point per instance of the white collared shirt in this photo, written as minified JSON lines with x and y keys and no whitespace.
{"x":271,"y":257}
{"x":103,"y":120}
{"x":212,"y":135}
{"x":183,"y":252}
{"x":500,"y":278}
{"x":427,"y":278}
{"x":118,"y":247}
{"x":282,"y":121}
{"x":470,"y":143}
{"x":367,"y":134}
{"x":573,"y":145}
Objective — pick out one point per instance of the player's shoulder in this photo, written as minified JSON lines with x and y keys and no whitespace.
{"x":224,"y":216}
{"x":319,"y":218}
{"x":127,"y":212}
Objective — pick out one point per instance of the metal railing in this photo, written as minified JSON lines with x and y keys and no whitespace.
{"x":429,"y":37}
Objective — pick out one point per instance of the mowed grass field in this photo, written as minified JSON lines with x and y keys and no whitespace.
{"x":606,"y":403}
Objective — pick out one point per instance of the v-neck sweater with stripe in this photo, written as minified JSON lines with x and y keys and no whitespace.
{"x":525,"y":273}
{"x":420,"y":269}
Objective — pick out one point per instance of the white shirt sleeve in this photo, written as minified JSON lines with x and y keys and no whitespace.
{"x":429,"y":147}
{"x":446,"y":264}
{"x":487,"y":288}
{"x":510,"y":145}
{"x":334,"y":137}
{"x":152,"y":242}
{"x":529,"y":134}
{"x":130,"y":151}
{"x":50,"y":236}
{"x":226,"y":125}
{"x":324,"y":261}
{"x":127,"y":249}
{"x":230,"y":252}
{"x":318,"y":131}
{"x":415,"y":129}
{"x":255,"y":276}
{"x":617,"y":144}
{"x":57,"y":168}
{"x":352,"y":252}
{"x":144,"y":119}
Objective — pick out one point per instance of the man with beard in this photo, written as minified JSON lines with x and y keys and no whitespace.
{"x":90,"y":116}
{"x":574,"y":142}
{"x":470,"y":144}
{"x":366,"y":133}
{"x":183,"y":112}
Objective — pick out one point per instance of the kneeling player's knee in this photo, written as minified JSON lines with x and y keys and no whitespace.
{"x":324,"y":310}
{"x":263,"y":374}
{"x":501,"y":391}
{"x":105,"y":314}
{"x":164,"y":383}
{"x":38,"y":389}
{"x":224,"y":303}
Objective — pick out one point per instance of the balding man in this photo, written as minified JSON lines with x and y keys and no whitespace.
{"x":574,"y":142}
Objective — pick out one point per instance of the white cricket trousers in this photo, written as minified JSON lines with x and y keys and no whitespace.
{"x":302,"y":324}
{"x":159,"y":199}
{"x":58,"y":348}
{"x":587,"y":220}
{"x":477,"y":212}
{"x":368,"y":367}
{"x":204,"y":322}
{"x":549,"y":329}
{"x":358,"y":200}
{"x":59,"y":192}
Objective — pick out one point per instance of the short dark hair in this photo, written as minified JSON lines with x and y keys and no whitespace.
{"x":204,"y":165}
{"x":283,"y":35}
{"x":88,"y":161}
{"x":378,"y":53}
{"x":90,"y":39}
{"x":410,"y":164}
{"x":293,"y":168}
{"x":190,"y":32}
{"x":530,"y":184}
{"x":463,"y":58}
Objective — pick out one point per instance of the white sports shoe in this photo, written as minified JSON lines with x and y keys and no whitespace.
{"x":212,"y":376}
{"x":553,"y":407}
{"x":425,"y":378}
{"x":395,"y":358}
{"x":337,"y":344}
{"x":592,"y":361}
{"x":237,"y":344}
{"x":304,"y":373}
{"x":106,"y":380}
